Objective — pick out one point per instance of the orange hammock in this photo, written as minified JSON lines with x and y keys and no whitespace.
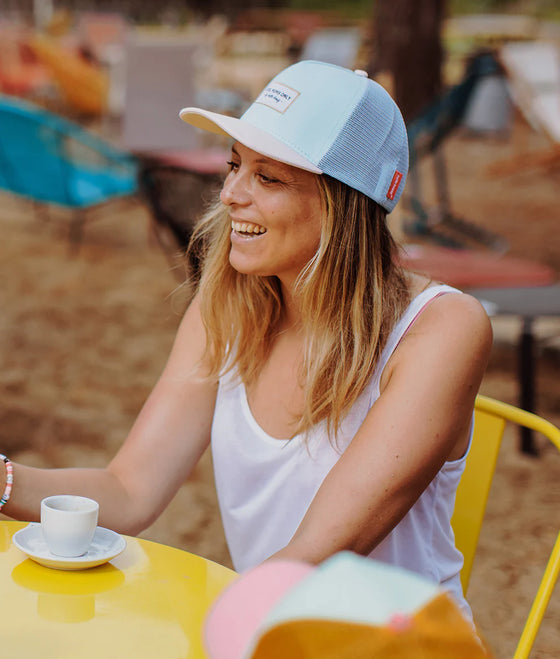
{"x":83,"y":85}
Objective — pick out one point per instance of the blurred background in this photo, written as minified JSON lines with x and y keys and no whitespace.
{"x":101,"y":183}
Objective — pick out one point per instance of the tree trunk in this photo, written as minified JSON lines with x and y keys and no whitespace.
{"x":408,"y":46}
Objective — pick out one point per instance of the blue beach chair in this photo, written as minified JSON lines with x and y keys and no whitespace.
{"x":51,"y":160}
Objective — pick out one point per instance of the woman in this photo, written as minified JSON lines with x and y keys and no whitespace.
{"x":336,"y":389}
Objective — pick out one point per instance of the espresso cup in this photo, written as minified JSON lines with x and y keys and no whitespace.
{"x":68,"y":524}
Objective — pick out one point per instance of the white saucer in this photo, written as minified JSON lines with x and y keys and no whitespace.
{"x":106,"y":545}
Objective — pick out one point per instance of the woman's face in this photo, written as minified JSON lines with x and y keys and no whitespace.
{"x":275,"y":212}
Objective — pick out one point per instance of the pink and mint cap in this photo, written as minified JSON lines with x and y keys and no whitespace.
{"x":349,"y":606}
{"x":327,"y":120}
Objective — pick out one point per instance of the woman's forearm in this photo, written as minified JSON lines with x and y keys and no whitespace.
{"x":117,"y":508}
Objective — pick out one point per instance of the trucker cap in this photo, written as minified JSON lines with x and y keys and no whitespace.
{"x":325,"y":119}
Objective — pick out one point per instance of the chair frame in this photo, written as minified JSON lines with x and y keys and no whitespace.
{"x":173,"y":231}
{"x":426,"y":134}
{"x":491,"y":417}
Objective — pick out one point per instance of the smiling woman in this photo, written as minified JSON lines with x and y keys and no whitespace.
{"x":335,"y":389}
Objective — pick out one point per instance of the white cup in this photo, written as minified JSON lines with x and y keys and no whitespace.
{"x":68,"y":523}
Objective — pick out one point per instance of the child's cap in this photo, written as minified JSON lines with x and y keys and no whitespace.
{"x":349,"y":607}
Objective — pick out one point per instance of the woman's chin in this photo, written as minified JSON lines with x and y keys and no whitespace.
{"x":246,"y":268}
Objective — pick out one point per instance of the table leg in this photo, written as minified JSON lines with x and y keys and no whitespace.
{"x":527,"y":383}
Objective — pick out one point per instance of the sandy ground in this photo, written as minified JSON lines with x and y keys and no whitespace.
{"x":84,"y":338}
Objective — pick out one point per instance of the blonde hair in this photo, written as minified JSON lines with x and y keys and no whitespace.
{"x":350,"y":296}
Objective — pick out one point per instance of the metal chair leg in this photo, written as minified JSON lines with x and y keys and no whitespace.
{"x":527,"y":383}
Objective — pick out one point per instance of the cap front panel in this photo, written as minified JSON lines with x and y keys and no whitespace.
{"x":306,"y":105}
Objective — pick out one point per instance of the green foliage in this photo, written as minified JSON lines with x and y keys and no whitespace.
{"x":457,"y":7}
{"x":544,"y":9}
{"x":350,"y":8}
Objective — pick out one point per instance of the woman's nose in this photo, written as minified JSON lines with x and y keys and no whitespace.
{"x":234,"y":190}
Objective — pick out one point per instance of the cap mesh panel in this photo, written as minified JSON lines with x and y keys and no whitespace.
{"x":367,"y":152}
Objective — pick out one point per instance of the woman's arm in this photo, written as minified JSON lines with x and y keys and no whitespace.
{"x":421,"y":419}
{"x":164,"y":444}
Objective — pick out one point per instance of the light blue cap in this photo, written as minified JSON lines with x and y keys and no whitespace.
{"x":328,"y":120}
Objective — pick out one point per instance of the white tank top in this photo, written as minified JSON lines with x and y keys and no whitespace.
{"x":265,"y":485}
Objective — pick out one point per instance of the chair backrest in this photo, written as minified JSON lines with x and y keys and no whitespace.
{"x":30,"y":155}
{"x":334,"y":45}
{"x":177,"y":198}
{"x":472,"y":495}
{"x":159,"y":81}
{"x":533,"y":69}
{"x":49,"y":159}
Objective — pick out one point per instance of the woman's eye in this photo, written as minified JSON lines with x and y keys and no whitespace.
{"x":233,"y":166}
{"x":267,"y":179}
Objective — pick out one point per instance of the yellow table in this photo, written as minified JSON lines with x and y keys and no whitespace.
{"x":150,"y":601}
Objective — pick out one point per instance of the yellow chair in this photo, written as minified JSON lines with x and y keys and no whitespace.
{"x":490,"y":420}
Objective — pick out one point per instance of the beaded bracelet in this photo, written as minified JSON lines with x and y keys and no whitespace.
{"x":9,"y":481}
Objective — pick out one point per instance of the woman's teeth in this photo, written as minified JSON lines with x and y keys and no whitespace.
{"x":247,"y":227}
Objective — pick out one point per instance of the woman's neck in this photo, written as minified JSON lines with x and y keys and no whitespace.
{"x":291,"y":316}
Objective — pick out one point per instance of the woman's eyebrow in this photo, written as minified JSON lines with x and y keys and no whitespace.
{"x":269,"y":161}
{"x":282,"y":169}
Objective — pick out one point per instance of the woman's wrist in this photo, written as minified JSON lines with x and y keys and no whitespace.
{"x":6,"y":481}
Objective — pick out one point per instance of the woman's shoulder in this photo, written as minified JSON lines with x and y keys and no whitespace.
{"x":442,"y":298}
{"x":451,"y":336}
{"x":452,"y":313}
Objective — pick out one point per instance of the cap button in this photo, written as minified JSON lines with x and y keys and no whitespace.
{"x":361,"y":73}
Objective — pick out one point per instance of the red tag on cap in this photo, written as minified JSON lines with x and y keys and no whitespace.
{"x":395,"y":182}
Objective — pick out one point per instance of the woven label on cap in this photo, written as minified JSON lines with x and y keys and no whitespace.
{"x":277,"y":96}
{"x":395,"y":182}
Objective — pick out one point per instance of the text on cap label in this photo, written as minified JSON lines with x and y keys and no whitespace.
{"x":277,"y":96}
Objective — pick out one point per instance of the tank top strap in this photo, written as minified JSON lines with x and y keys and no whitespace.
{"x":411,"y":313}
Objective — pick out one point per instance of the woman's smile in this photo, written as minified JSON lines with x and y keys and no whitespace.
{"x":247,"y":229}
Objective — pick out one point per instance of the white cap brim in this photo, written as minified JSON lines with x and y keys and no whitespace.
{"x":250,"y":136}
